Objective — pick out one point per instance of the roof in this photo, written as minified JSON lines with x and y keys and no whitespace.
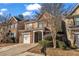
{"x":17,"y":18}
{"x":40,"y":16}
{"x":37,"y":19}
{"x":46,"y":13}
{"x":73,"y":9}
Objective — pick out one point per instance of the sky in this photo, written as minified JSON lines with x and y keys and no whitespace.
{"x":19,"y":8}
{"x":26,"y":9}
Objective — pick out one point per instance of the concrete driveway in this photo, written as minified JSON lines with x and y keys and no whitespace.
{"x":17,"y":50}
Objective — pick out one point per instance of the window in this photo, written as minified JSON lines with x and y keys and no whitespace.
{"x":40,"y":24}
{"x":13,"y":26}
{"x":77,"y":21}
{"x":29,"y":26}
{"x":9,"y":26}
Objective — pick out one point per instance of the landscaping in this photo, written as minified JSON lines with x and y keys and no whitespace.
{"x":55,"y":52}
{"x":61,"y":50}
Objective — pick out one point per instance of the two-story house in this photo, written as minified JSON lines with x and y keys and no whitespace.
{"x":35,"y":30}
{"x":72,"y":26}
{"x":14,"y":25}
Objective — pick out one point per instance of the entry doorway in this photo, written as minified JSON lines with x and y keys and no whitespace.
{"x":37,"y":36}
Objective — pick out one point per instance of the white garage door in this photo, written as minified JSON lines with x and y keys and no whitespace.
{"x":26,"y":38}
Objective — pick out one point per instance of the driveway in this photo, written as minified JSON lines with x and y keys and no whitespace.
{"x":17,"y":50}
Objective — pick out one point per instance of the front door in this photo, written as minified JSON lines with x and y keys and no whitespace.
{"x":38,"y":36}
{"x":26,"y":38}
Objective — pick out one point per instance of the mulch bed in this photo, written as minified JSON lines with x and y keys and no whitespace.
{"x":55,"y":52}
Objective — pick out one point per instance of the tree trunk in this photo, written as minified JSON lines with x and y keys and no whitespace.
{"x":53,"y":33}
{"x":54,"y":41}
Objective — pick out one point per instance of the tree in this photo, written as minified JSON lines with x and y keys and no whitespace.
{"x":55,"y":20}
{"x":4,"y":21}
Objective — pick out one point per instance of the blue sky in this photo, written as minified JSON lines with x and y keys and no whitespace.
{"x":14,"y":9}
{"x":18,"y":8}
{"x":22,"y":8}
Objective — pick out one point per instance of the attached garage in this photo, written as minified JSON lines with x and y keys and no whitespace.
{"x":26,"y":38}
{"x":29,"y":37}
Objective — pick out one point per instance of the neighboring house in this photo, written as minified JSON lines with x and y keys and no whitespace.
{"x":35,"y":30}
{"x":3,"y":31}
{"x":13,"y":26}
{"x":72,"y":26}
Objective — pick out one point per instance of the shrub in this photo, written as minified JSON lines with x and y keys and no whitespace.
{"x":43,"y":42}
{"x":49,"y":38}
{"x":61,"y":44}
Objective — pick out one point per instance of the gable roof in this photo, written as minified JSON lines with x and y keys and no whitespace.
{"x":37,"y":19}
{"x":73,"y":9}
{"x":15,"y":18}
{"x":18,"y":19}
{"x":46,"y":13}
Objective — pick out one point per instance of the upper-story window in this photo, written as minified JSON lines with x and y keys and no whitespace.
{"x":40,"y":24}
{"x":76,"y":21}
{"x":29,"y":26}
{"x":13,"y":26}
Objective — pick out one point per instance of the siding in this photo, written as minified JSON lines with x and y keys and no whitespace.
{"x":70,"y":24}
{"x":76,"y":12}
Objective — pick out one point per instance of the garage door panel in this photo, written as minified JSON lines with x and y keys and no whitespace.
{"x":26,"y":38}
